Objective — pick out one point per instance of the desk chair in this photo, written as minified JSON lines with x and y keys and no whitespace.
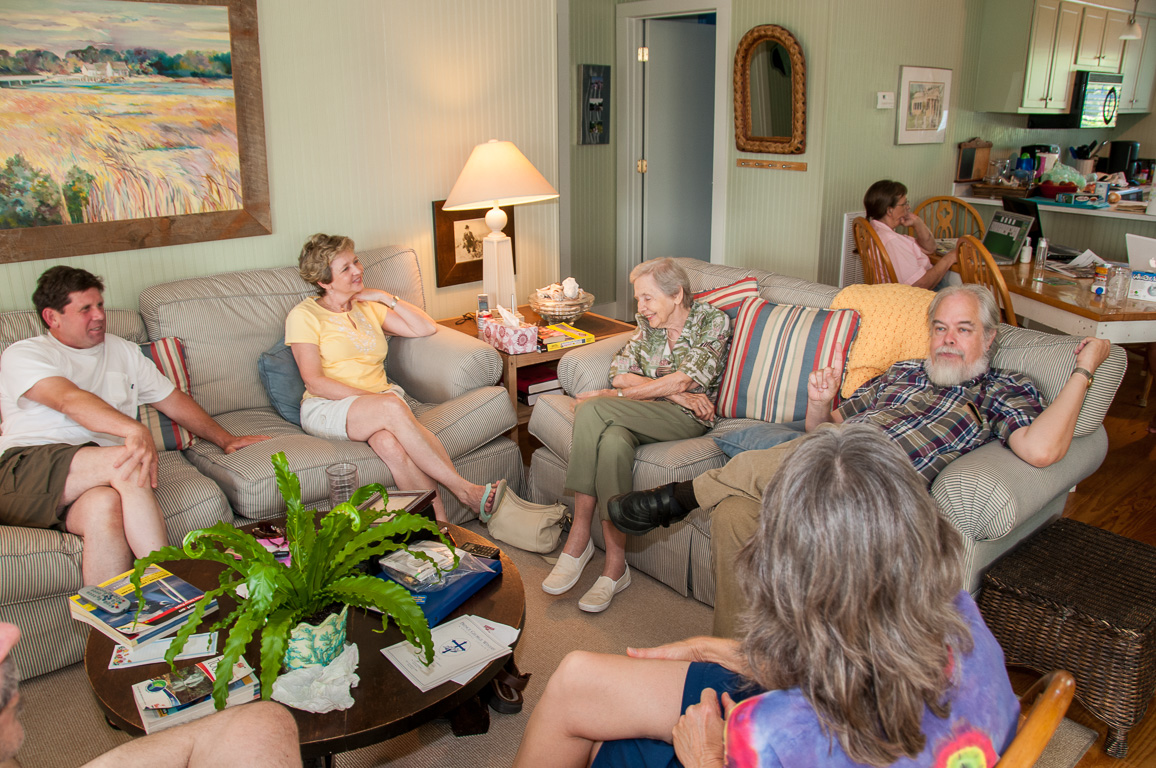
{"x":876,"y":263}
{"x":977,"y":266}
{"x":948,"y":216}
{"x":1044,"y":711}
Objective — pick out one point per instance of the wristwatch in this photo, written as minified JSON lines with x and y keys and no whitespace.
{"x":1087,"y":373}
{"x":620,"y":393}
{"x":392,"y":304}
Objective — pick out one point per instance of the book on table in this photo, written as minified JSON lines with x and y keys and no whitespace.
{"x":176,"y":698}
{"x":562,"y":336}
{"x":168,"y":600}
{"x":538,"y":378}
{"x":530,"y":399}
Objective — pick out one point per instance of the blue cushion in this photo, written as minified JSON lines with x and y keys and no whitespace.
{"x":282,"y":380}
{"x":759,"y":437}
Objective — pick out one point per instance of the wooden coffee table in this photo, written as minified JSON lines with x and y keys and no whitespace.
{"x":385,"y":705}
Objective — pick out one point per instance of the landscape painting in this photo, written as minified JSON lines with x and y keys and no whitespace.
{"x":121,"y":113}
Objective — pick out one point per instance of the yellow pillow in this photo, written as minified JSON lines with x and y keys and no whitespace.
{"x":892,"y":327}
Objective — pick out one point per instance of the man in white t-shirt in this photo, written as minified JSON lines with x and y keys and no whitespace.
{"x":72,"y":454}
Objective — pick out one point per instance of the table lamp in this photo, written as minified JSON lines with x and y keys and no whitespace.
{"x":498,"y":174}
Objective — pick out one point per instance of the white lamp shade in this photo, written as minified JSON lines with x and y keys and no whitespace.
{"x":1133,"y":32}
{"x":497,"y":173}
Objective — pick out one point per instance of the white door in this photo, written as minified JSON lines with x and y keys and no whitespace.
{"x":678,"y":138}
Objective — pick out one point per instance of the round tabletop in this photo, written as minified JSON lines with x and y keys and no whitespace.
{"x":386,"y":704}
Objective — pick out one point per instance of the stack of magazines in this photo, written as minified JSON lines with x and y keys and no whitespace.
{"x":168,"y":601}
{"x":185,"y":695}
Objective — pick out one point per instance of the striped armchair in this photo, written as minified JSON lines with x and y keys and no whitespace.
{"x":992,"y":497}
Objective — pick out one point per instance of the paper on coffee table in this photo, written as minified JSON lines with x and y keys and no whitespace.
{"x":204,"y":644}
{"x":503,"y":633}
{"x":459,"y":645}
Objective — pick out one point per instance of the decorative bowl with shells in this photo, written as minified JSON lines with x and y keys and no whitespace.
{"x":562,"y":310}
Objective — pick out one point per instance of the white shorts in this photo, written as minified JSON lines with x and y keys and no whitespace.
{"x":326,"y":418}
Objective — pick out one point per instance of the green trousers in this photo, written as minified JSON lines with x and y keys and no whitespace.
{"x":607,"y":430}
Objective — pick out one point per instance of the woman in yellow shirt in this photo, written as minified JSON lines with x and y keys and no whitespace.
{"x":339,"y":340}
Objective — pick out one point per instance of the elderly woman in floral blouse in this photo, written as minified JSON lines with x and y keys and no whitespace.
{"x":664,"y":382}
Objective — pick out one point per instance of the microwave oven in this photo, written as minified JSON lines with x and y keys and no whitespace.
{"x":1095,"y":99}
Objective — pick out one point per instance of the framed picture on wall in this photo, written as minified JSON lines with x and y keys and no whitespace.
{"x":593,"y":104}
{"x":153,"y":137}
{"x":458,"y":239}
{"x":924,"y":98}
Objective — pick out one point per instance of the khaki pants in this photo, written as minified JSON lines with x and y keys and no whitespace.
{"x":607,"y":430}
{"x":736,"y":493}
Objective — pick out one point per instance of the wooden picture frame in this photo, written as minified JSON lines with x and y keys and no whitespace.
{"x":29,"y":243}
{"x":454,"y":266}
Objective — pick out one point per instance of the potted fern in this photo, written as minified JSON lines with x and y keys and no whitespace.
{"x":323,"y":573}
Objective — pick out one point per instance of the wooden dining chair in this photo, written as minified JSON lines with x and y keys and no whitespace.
{"x":948,"y":216}
{"x":976,"y":265}
{"x":876,"y":263}
{"x":1042,"y":709}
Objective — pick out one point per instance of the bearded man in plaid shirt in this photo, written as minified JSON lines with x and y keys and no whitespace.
{"x":935,"y":409}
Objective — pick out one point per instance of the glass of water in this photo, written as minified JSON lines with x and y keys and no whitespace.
{"x":342,"y":482}
{"x":1119,"y":281}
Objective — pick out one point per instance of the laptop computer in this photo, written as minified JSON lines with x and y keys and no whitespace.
{"x":1056,"y":252}
{"x":1005,"y":235}
{"x":1141,"y":253}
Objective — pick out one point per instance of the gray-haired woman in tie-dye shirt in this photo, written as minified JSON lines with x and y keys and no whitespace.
{"x":663,"y":386}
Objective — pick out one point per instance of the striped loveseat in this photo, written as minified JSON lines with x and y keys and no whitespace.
{"x":992,"y":497}
{"x":225,"y":322}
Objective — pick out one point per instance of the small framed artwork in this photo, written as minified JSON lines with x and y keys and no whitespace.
{"x":458,"y":239}
{"x":593,"y":104}
{"x":924,"y":97}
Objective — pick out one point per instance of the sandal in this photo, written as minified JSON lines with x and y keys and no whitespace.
{"x":498,"y":492}
{"x":504,"y":693}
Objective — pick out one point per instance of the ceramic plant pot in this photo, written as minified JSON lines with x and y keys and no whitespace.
{"x":310,"y":644}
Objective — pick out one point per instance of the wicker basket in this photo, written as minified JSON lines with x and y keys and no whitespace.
{"x":1079,"y":598}
{"x":979,"y":189}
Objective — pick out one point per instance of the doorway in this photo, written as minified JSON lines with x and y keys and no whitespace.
{"x":672,"y":134}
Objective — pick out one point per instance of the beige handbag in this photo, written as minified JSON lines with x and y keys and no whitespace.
{"x":525,"y":525}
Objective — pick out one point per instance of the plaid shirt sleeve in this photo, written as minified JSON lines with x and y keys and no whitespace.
{"x":707,"y":336}
{"x":1013,"y":404}
{"x":862,"y":399}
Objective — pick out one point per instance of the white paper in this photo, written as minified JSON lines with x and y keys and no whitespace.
{"x":1086,"y":259}
{"x":197,"y":645}
{"x":503,"y":633}
{"x":459,"y":645}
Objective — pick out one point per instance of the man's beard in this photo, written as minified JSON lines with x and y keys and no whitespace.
{"x":952,"y":371}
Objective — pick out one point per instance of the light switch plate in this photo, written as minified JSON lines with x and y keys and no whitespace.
{"x":885,"y":100}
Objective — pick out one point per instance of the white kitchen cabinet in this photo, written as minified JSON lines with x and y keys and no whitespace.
{"x":1100,"y":47}
{"x":1139,"y":70}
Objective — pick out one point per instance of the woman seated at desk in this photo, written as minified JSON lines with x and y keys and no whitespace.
{"x":887,"y":208}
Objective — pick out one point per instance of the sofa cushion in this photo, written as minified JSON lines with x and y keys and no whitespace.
{"x":168,"y":355}
{"x":729,"y":298}
{"x":758,"y":437}
{"x":773,"y":350}
{"x":282,"y":380}
{"x":892,"y":327}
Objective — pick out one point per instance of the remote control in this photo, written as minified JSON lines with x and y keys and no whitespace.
{"x":105,"y":599}
{"x":481,"y":550}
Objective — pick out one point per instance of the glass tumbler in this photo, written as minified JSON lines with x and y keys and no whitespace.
{"x":342,"y":482}
{"x":1119,"y":281}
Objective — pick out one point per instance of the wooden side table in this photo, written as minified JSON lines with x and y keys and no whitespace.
{"x":601,"y":327}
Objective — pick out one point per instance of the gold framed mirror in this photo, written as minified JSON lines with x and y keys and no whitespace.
{"x":770,"y":83}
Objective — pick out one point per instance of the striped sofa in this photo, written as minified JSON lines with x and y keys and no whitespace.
{"x":225,"y":322}
{"x":992,"y":497}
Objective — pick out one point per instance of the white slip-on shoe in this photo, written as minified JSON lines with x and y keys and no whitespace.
{"x":598,"y":597}
{"x":567,"y":571}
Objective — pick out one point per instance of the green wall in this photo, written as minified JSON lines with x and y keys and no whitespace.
{"x":791,"y":222}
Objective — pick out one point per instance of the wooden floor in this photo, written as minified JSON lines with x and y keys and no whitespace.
{"x":1119,"y":497}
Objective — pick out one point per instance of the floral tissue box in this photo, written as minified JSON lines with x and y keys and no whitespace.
{"x":514,"y":341}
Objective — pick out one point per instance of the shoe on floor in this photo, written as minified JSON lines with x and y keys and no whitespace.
{"x":639,"y":512}
{"x":598,"y":597}
{"x":567,"y":571}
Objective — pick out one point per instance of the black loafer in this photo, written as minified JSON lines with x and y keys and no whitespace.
{"x":639,"y":512}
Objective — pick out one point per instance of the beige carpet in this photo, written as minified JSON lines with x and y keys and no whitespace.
{"x":65,"y":727}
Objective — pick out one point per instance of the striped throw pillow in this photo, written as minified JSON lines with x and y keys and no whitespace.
{"x":773,"y":349}
{"x":168,"y":355}
{"x":729,"y":297}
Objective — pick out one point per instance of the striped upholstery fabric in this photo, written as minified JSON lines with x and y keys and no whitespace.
{"x":588,"y":367}
{"x":774,"y":349}
{"x":730,"y":297}
{"x":1049,"y":359}
{"x":438,"y":368}
{"x":168,"y":355}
